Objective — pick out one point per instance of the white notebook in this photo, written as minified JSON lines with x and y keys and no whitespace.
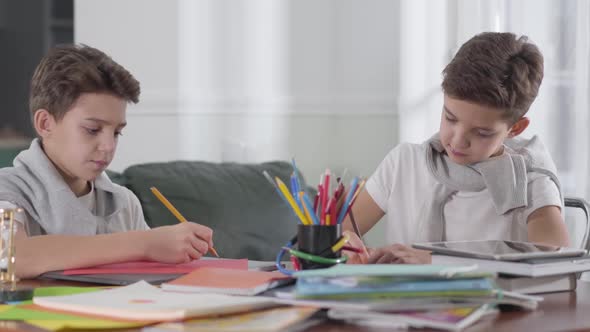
{"x":144,"y":302}
{"x":529,"y":268}
{"x":538,"y":285}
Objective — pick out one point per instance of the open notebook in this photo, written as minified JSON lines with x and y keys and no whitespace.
{"x":144,"y":302}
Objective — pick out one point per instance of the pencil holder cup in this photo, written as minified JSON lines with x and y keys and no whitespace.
{"x":317,"y":240}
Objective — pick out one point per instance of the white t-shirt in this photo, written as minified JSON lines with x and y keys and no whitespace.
{"x":400,"y":187}
{"x":130,"y":218}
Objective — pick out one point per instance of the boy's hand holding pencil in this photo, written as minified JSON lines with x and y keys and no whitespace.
{"x":356,"y":251}
{"x":193,"y":241}
{"x":179,"y":243}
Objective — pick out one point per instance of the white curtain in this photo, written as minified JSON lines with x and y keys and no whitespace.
{"x":561,"y":29}
{"x":560,"y":114}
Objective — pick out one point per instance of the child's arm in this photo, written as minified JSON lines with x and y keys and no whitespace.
{"x":170,"y":244}
{"x":545,"y":225}
{"x":366,"y":213}
{"x":391,"y":254}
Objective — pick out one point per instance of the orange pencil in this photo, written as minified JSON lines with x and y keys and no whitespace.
{"x":175,"y":212}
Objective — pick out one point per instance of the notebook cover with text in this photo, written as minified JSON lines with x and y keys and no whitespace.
{"x":227,"y":281}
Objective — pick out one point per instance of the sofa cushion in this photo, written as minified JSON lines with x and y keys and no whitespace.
{"x":116,"y":177}
{"x":248,"y":217}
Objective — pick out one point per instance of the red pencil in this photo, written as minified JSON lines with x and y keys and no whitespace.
{"x":353,"y":249}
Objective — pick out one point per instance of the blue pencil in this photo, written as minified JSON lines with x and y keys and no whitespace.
{"x":267,"y":176}
{"x":349,"y":195}
{"x":295,"y":172}
{"x":309,"y":207}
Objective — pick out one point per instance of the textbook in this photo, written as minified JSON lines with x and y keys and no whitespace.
{"x":528,"y":268}
{"x":227,"y":281}
{"x":144,"y":302}
{"x":548,"y":284}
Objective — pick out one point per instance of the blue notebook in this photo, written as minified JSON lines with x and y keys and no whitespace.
{"x":382,"y":287}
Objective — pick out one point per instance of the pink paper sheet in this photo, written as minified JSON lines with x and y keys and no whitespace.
{"x":160,"y":268}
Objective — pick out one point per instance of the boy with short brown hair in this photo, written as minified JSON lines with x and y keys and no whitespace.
{"x":475,"y":179}
{"x":74,"y":216}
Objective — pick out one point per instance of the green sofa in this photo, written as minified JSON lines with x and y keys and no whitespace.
{"x":248,"y":217}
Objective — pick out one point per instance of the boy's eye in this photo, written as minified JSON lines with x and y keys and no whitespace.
{"x":450,"y":119}
{"x":92,"y":131}
{"x":118,"y":133}
{"x":485,"y":134}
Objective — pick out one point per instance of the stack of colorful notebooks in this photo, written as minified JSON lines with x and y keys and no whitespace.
{"x":408,"y":294}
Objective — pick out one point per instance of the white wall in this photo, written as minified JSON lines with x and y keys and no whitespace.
{"x":250,"y":81}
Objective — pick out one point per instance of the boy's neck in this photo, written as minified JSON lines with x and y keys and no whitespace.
{"x":81,"y":190}
{"x":78,"y":186}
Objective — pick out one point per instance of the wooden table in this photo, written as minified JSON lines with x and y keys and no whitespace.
{"x":565,"y":311}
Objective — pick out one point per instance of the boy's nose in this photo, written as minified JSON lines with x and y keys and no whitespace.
{"x":460,"y":141}
{"x":107,"y":144}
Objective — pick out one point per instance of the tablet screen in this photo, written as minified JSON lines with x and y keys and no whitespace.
{"x":497,"y":249}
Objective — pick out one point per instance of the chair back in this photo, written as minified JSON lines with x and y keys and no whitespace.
{"x":577,"y":221}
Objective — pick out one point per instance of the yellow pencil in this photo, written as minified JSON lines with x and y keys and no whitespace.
{"x":291,"y":201}
{"x":175,"y":212}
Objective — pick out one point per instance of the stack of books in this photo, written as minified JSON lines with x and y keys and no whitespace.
{"x":524,"y":267}
{"x":414,"y":295}
{"x":530,"y":276}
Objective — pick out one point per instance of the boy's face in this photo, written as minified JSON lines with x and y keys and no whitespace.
{"x":471,"y":133}
{"x":82,"y":144}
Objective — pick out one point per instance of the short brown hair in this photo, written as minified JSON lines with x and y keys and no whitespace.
{"x":67,"y":71}
{"x":497,"y":70}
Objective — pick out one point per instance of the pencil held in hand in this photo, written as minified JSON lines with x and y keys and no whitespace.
{"x":175,"y":212}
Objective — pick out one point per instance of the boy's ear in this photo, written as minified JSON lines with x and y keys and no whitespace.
{"x":44,"y":123}
{"x":518,"y":127}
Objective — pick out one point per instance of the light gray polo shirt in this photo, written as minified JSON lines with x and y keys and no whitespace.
{"x":52,"y":208}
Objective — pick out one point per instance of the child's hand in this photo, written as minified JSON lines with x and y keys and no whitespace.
{"x":356,"y":242}
{"x":180,"y":243}
{"x":399,"y":254}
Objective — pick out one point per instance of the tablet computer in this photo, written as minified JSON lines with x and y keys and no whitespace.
{"x":499,"y":249}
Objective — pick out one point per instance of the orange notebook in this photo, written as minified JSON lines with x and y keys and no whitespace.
{"x":227,"y":281}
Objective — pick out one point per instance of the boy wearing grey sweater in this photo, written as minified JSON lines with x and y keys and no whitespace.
{"x":73,"y":215}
